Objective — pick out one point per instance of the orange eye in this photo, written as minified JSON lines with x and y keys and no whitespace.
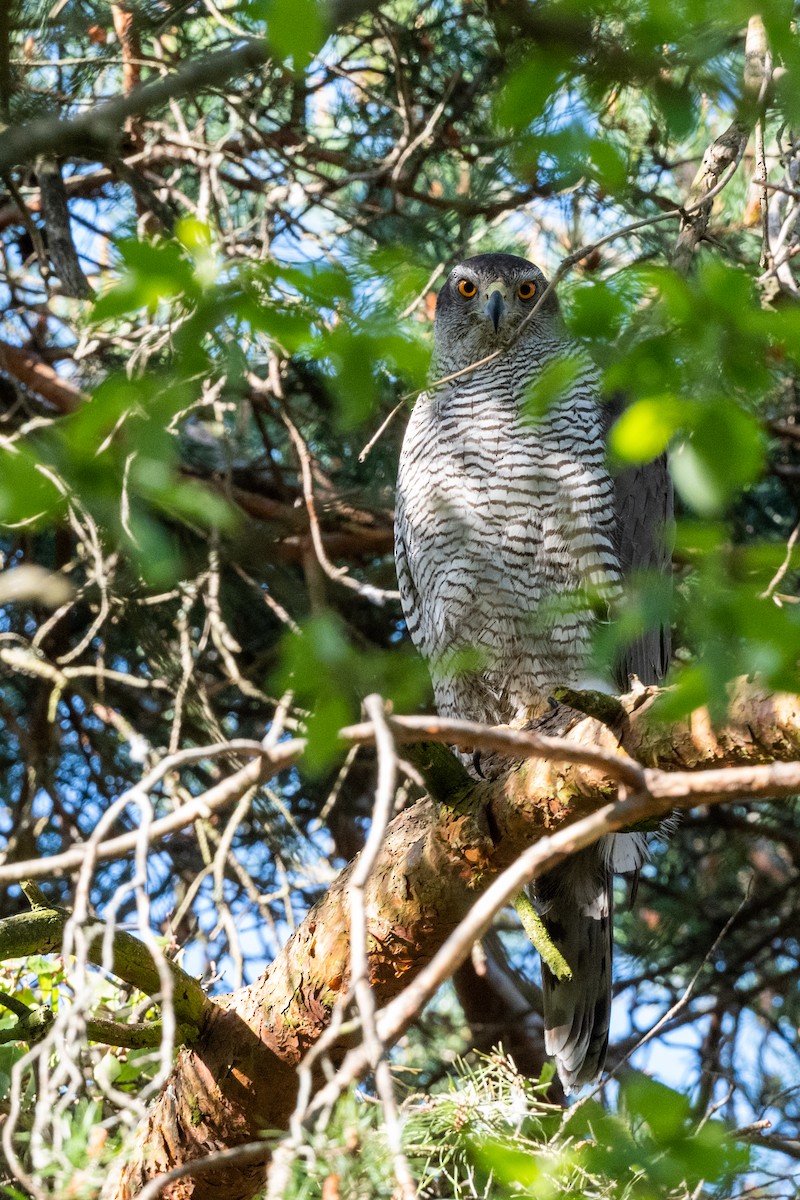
{"x":467,"y":288}
{"x":526,"y":291}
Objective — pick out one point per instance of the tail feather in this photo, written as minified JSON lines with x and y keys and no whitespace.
{"x":577,"y":907}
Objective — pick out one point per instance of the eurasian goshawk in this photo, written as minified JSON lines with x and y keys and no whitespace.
{"x":510,"y":535}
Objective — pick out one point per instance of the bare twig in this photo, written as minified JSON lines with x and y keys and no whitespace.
{"x":471,"y":735}
{"x":269,"y":762}
{"x":339,"y":574}
{"x":359,"y":989}
{"x":784,"y":567}
{"x":101,"y":127}
{"x":359,"y":968}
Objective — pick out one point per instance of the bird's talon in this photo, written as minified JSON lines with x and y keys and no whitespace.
{"x":476,"y":763}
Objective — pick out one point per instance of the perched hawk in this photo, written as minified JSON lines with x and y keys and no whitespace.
{"x":510,"y":534}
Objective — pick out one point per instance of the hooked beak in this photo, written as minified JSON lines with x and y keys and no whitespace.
{"x":495,"y":306}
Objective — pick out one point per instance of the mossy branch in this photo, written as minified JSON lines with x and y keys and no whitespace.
{"x":446,"y":778}
{"x":139,"y":1035}
{"x":41,"y":931}
{"x":540,"y":939}
{"x":33,"y":1023}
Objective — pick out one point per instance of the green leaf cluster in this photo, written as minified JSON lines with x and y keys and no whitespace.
{"x":329,"y":674}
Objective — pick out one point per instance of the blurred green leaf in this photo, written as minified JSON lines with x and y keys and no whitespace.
{"x":724,"y":454}
{"x":318,"y":284}
{"x":596,"y":310}
{"x":678,"y":105}
{"x":154,"y":271}
{"x":550,"y":386}
{"x":646,"y":428}
{"x":295,"y":28}
{"x":10,"y":1054}
{"x":361,"y":358}
{"x":330,"y":676}
{"x":522,"y":1172}
{"x":526,"y":91}
{"x":27,"y":493}
{"x":665,"y":1111}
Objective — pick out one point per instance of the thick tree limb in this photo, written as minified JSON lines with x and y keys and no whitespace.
{"x":60,"y":246}
{"x":241,"y":1076}
{"x":40,"y":377}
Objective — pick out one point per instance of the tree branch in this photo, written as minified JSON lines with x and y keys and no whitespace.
{"x":434,"y":861}
{"x":40,"y":377}
{"x":92,"y":133}
{"x":41,"y":932}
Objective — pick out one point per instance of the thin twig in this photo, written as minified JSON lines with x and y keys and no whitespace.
{"x":339,"y":574}
{"x":784,"y":567}
{"x":359,"y":960}
{"x":269,"y":762}
{"x":679,"y":1004}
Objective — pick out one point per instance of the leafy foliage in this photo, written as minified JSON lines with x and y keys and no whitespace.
{"x":261,"y":256}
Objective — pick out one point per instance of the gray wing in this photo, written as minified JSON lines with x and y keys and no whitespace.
{"x":576,"y":899}
{"x":409,"y":596}
{"x":644,"y":504}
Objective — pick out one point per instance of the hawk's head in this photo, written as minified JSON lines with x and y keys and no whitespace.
{"x":483,"y":303}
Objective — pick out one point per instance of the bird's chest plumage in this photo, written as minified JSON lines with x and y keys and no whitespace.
{"x":479,"y":480}
{"x":498,"y":525}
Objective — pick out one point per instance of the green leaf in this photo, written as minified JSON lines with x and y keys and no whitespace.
{"x":26,"y":493}
{"x":609,"y":165}
{"x":646,"y":428}
{"x":596,"y":310}
{"x":155,"y":271}
{"x":154,"y":548}
{"x":317,"y":284}
{"x":696,"y":486}
{"x":665,"y":1111}
{"x":724,"y":454}
{"x":519,"y":1169}
{"x":295,"y":29}
{"x":678,"y":105}
{"x":330,"y":676}
{"x":526,"y":91}
{"x":10,"y":1054}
